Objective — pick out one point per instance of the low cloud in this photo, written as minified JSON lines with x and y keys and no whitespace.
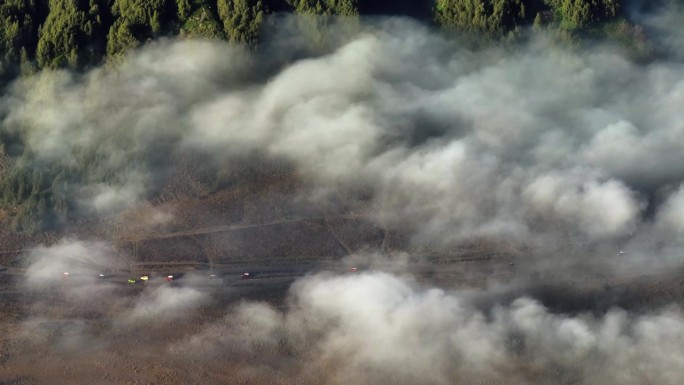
{"x":545,"y":146}
{"x":165,"y":303}
{"x":375,"y":327}
{"x":451,"y":143}
{"x":82,"y":261}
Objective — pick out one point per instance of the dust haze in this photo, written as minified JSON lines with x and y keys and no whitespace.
{"x":573,"y":154}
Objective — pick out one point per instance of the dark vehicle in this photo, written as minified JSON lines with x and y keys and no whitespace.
{"x":246,"y":276}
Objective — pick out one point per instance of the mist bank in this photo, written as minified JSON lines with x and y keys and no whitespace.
{"x":535,"y":144}
{"x":378,"y":328}
{"x":361,"y":328}
{"x":573,"y":152}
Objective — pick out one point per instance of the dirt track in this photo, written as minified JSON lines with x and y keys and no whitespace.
{"x":220,"y":229}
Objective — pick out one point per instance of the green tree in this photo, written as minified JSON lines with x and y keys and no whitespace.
{"x":241,"y":19}
{"x":18,"y":33}
{"x":326,"y":7}
{"x":137,"y":21}
{"x":491,"y":17}
{"x":319,"y":16}
{"x":574,"y":14}
{"x":537,"y":23}
{"x":184,"y":9}
{"x":120,"y":38}
{"x":70,"y":34}
{"x":202,"y":23}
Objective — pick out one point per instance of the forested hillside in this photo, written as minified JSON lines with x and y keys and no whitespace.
{"x":38,"y":34}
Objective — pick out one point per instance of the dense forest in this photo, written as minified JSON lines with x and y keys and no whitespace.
{"x":78,"y":34}
{"x":37,"y":34}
